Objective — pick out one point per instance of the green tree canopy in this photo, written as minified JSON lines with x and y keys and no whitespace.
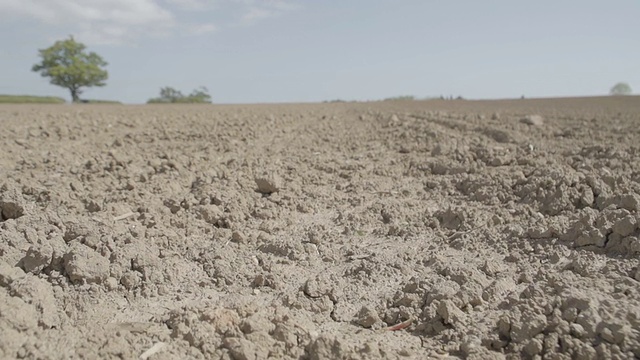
{"x":169,"y":95}
{"x":620,"y":88}
{"x":200,"y":95}
{"x":69,"y":65}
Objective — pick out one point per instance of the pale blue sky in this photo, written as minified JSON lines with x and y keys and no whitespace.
{"x":248,"y":51}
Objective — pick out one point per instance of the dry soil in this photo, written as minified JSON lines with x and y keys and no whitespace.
{"x":398,"y":230}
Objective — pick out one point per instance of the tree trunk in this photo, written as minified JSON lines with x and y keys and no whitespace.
{"x":75,"y":95}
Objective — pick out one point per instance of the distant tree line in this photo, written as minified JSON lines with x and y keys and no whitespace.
{"x":169,"y":95}
{"x":621,"y":88}
{"x":401,"y":98}
{"x":68,"y":64}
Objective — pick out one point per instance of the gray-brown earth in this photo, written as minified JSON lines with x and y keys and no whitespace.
{"x":493,"y":229}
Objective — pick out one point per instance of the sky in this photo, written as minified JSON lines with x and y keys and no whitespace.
{"x":264,"y":51}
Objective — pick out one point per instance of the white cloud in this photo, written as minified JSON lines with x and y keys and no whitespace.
{"x":263,"y":9}
{"x":202,"y":29}
{"x":190,"y":4}
{"x":97,"y":21}
{"x":257,"y":13}
{"x":126,"y":21}
{"x":63,"y":11}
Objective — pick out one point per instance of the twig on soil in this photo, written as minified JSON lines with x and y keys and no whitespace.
{"x":152,"y":350}
{"x":403,"y":325}
{"x":124,"y":216}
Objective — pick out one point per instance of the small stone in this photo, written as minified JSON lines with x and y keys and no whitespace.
{"x":243,"y":349}
{"x":556,"y":257}
{"x":328,"y":346}
{"x":38,"y":257}
{"x":11,"y":210}
{"x":92,"y":206}
{"x":578,"y":300}
{"x":589,"y":320}
{"x":211,"y":214}
{"x":262,"y":280}
{"x":592,"y":236}
{"x":76,"y":230}
{"x":82,"y":264}
{"x":111,"y":283}
{"x":268,"y":184}
{"x":585,"y":351}
{"x":222,"y":319}
{"x":504,"y":326}
{"x":9,"y":273}
{"x":470,"y":345}
{"x":91,"y":240}
{"x":286,"y":334}
{"x":12,"y":204}
{"x":130,"y":280}
{"x":535,"y":120}
{"x":255,"y":324}
{"x":607,"y":335}
{"x":620,"y":332}
{"x":528,"y":327}
{"x":533,"y":347}
{"x":630,"y":202}
{"x":626,"y":226}
{"x":451,"y":314}
{"x":577,"y":330}
{"x":551,"y":343}
{"x":238,"y":237}
{"x":173,"y":205}
{"x":570,"y":314}
{"x":318,"y":286}
{"x":367,"y":317}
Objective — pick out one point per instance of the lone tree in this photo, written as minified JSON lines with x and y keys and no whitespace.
{"x":169,"y":95}
{"x":70,"y":66}
{"x":620,"y":89}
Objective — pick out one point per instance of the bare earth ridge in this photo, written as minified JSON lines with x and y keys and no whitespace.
{"x":398,"y":230}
